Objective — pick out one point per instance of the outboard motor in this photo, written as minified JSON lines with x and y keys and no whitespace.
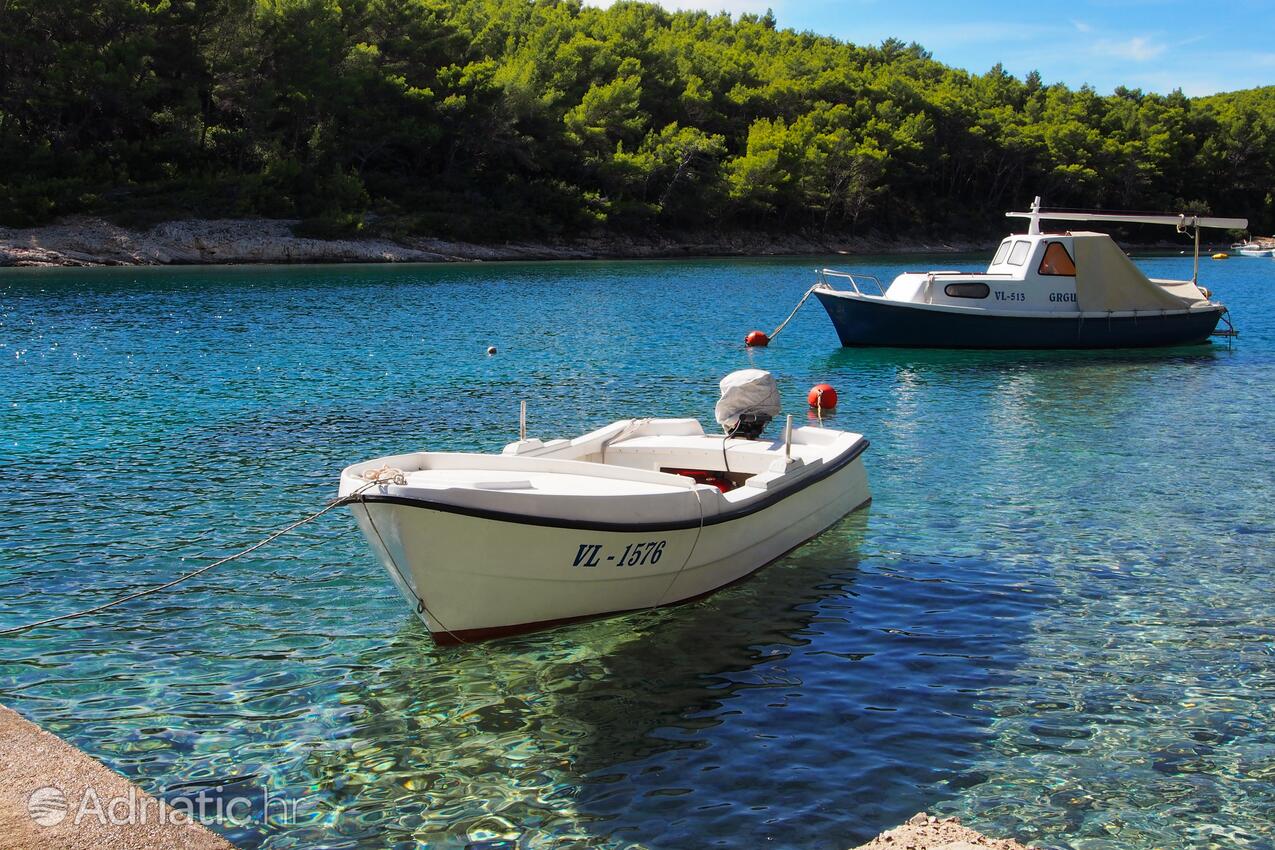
{"x":750,"y":399}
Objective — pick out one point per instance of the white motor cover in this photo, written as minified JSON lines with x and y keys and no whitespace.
{"x":747,"y":391}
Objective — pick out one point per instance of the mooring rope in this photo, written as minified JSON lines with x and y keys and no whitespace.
{"x":794,"y":311}
{"x":421,"y":607}
{"x":694,"y":545}
{"x":624,"y":433}
{"x":384,"y":475}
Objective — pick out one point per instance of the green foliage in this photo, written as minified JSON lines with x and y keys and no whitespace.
{"x":495,"y":119}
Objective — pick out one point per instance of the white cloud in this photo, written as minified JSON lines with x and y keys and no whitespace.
{"x":1212,"y":72}
{"x":1140,"y":48}
{"x":1191,"y":86}
{"x":944,"y":37}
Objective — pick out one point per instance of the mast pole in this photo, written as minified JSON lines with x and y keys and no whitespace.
{"x":1195,"y":270}
{"x":1033,"y":227}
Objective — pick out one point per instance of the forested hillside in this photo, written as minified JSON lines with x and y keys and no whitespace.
{"x":489,"y":119}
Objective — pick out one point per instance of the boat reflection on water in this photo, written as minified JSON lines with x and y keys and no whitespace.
{"x":976,"y":361}
{"x":1034,"y":394}
{"x":511,"y":743}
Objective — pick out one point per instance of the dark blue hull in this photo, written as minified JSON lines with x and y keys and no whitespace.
{"x":876,"y":323}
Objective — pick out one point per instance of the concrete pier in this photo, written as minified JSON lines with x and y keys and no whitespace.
{"x":47,"y":785}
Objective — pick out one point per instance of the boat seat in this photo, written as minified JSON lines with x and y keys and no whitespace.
{"x":691,"y":452}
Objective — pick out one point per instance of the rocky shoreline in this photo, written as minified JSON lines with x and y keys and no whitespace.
{"x":95,"y":242}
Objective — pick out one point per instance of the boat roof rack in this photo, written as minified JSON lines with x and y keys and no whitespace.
{"x":1180,"y":221}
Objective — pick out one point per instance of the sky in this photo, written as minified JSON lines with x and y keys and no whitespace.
{"x":1153,"y":45}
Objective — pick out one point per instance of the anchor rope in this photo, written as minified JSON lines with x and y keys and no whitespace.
{"x":380,"y":476}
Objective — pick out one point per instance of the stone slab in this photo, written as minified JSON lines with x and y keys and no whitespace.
{"x":45,"y":784}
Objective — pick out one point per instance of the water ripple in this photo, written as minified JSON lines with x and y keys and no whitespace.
{"x":1054,"y":619}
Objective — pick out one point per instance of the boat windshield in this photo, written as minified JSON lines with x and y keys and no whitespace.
{"x":1018,"y":256}
{"x":1000,"y":253}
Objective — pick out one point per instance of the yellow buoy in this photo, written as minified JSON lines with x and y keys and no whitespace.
{"x":1221,"y":255}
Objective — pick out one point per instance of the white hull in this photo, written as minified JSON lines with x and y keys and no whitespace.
{"x":473,"y":573}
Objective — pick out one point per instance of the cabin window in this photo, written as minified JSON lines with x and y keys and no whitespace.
{"x":1018,"y":256}
{"x":966,"y":290}
{"x":1001,"y":252}
{"x":1057,"y":261}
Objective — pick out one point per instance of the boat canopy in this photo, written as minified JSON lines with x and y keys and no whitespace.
{"x":1108,"y":280}
{"x":1184,"y":222}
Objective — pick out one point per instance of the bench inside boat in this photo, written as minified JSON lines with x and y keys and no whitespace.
{"x":628,"y":458}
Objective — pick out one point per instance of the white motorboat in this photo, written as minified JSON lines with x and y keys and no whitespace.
{"x":637,"y":514}
{"x":1255,"y":249}
{"x":1067,"y":289}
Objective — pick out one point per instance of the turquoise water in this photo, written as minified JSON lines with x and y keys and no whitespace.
{"x":1055,"y":619}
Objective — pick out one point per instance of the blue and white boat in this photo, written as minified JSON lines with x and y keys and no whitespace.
{"x":1064,"y":289}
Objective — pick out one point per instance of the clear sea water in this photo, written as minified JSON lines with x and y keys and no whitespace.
{"x":1055,"y":620}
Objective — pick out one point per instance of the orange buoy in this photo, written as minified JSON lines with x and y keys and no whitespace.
{"x":822,"y":397}
{"x":491,"y":349}
{"x":756,"y":339}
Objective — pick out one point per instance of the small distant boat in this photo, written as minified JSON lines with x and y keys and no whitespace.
{"x":1070,"y":289}
{"x":1255,"y":249}
{"x":637,"y":514}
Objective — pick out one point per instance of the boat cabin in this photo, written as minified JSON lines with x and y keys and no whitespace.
{"x":1050,"y":272}
{"x":1027,"y":273}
